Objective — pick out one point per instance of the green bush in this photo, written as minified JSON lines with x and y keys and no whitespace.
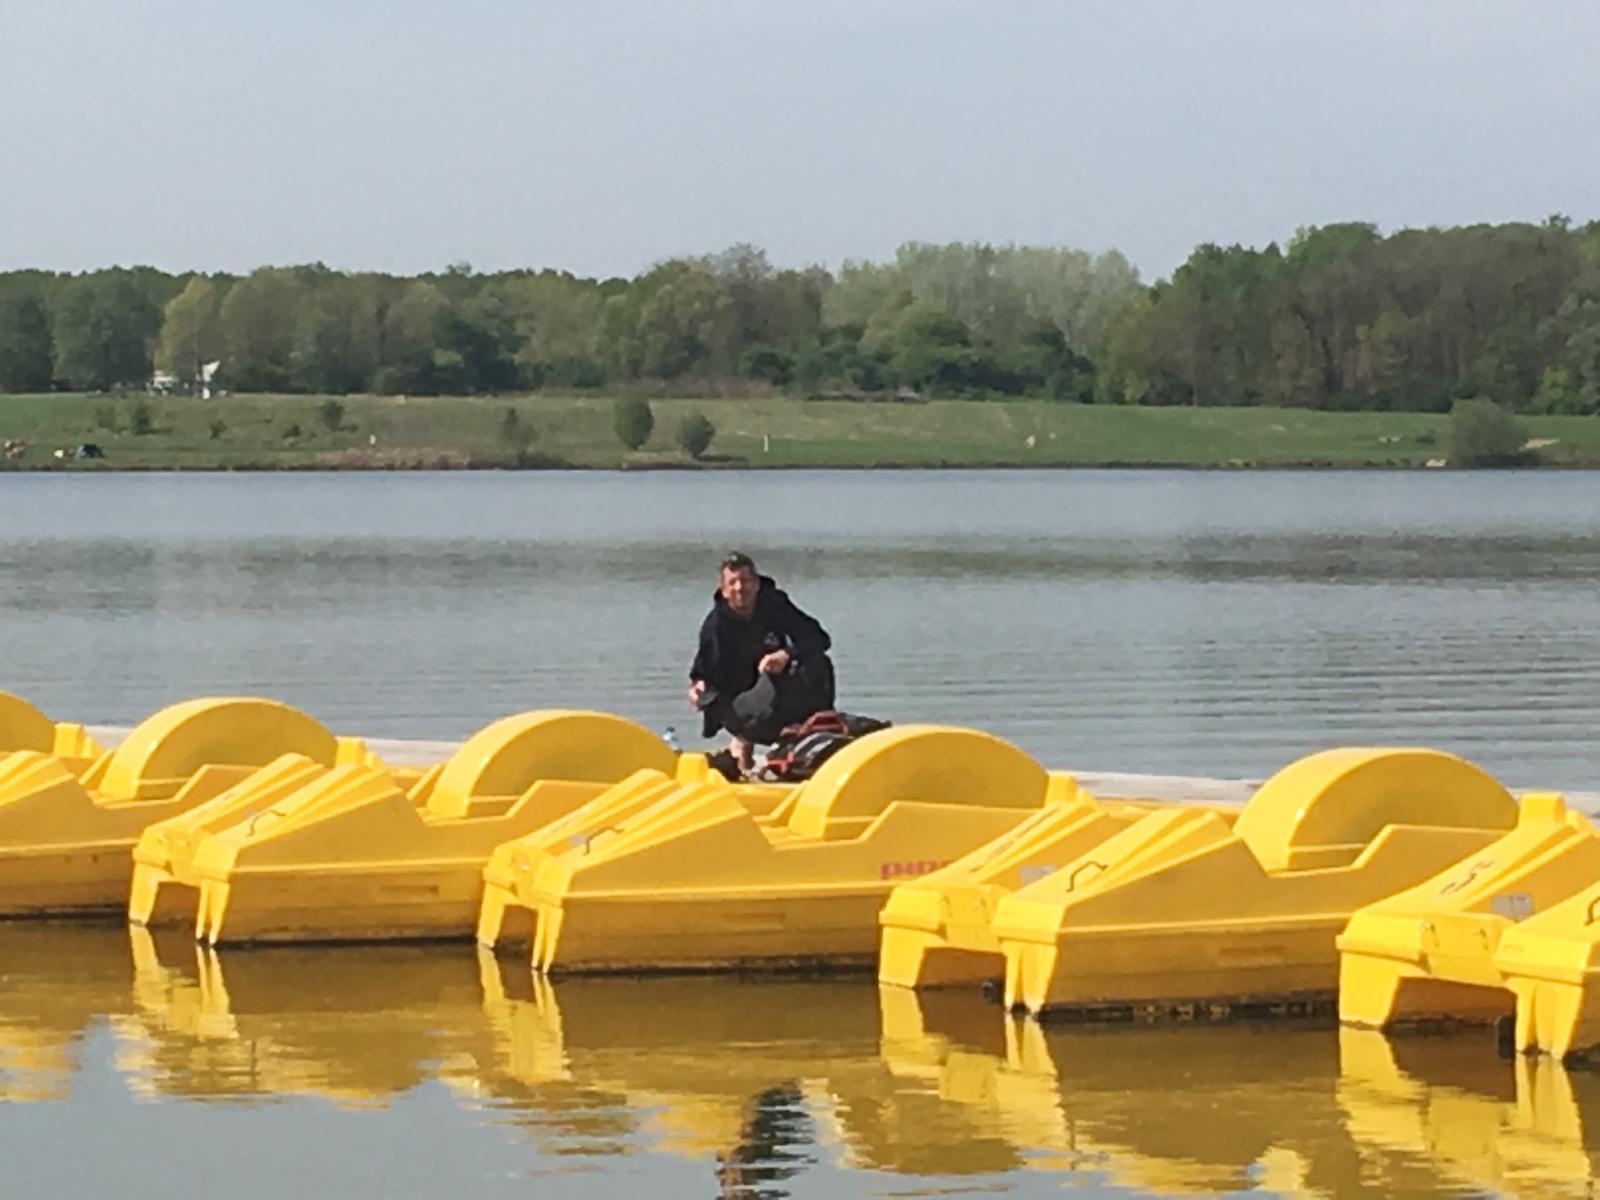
{"x":332,"y":414}
{"x":513,"y":431}
{"x":1482,"y":434}
{"x":392,"y":381}
{"x":139,"y":420}
{"x":517,"y":435}
{"x":1560,"y":392}
{"x":218,"y":428}
{"x":633,"y":420}
{"x":695,"y":433}
{"x":291,"y":431}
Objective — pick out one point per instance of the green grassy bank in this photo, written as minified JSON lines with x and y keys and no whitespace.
{"x":289,"y":432}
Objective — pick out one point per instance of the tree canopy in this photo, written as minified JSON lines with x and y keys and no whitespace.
{"x":1340,"y":317}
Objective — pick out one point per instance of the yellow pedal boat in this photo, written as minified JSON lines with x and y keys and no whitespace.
{"x":938,"y":930}
{"x":24,"y":727}
{"x":1434,"y":951}
{"x":66,"y":831}
{"x":1179,"y":912}
{"x":351,"y":854}
{"x":1551,"y":961}
{"x":692,"y":879}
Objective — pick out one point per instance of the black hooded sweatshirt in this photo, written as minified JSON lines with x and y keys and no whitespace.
{"x":731,"y":645}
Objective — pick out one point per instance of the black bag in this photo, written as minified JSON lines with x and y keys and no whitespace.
{"x":801,"y":749}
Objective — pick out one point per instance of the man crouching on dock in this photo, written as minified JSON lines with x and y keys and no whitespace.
{"x":762,"y":663}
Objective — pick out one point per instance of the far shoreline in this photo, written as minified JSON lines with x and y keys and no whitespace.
{"x":776,"y":468}
{"x":135,"y":432}
{"x":788,"y":469}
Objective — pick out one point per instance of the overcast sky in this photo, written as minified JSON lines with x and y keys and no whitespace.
{"x":600,"y":136}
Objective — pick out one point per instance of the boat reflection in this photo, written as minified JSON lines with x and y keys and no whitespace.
{"x":355,"y":1027}
{"x":1284,"y":1108}
{"x":758,"y":1077}
{"x":758,"y":1081}
{"x":1445,"y":1106}
{"x":58,"y":982}
{"x":359,"y":1026}
{"x":1167,"y":1109}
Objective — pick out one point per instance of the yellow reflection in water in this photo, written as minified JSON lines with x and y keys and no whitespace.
{"x":756,"y":1080}
{"x":57,"y":981}
{"x":356,"y":1025}
{"x":1447,"y":1106}
{"x":1169,"y":1110}
{"x":698,"y":1059}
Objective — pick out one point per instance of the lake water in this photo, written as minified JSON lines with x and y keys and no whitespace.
{"x":1173,"y":622}
{"x":1167,"y":622}
{"x":159,"y":1070}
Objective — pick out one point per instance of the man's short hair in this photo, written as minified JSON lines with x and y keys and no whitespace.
{"x":739,"y":561}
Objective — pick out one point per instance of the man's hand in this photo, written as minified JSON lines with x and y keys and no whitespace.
{"x":696,"y":690}
{"x":773,"y":663}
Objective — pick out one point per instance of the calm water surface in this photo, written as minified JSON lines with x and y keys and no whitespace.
{"x":1183,"y":622}
{"x":1199,"y":623}
{"x":152,"y":1069}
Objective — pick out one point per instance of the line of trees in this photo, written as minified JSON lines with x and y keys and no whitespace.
{"x":1341,"y":318}
{"x":945,"y":319}
{"x":1347,"y":319}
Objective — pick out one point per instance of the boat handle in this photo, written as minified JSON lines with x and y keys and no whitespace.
{"x":597,"y":833}
{"x":250,"y":829}
{"x":1072,"y":880}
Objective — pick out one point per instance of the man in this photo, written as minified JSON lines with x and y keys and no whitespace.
{"x":762,"y":662}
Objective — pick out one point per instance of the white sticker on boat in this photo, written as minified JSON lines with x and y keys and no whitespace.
{"x":1513,"y":905}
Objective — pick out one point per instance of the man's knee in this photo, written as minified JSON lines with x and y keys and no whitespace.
{"x":819,"y":677}
{"x":755,"y":705}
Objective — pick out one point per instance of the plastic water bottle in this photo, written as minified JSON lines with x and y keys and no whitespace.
{"x":669,"y":735}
